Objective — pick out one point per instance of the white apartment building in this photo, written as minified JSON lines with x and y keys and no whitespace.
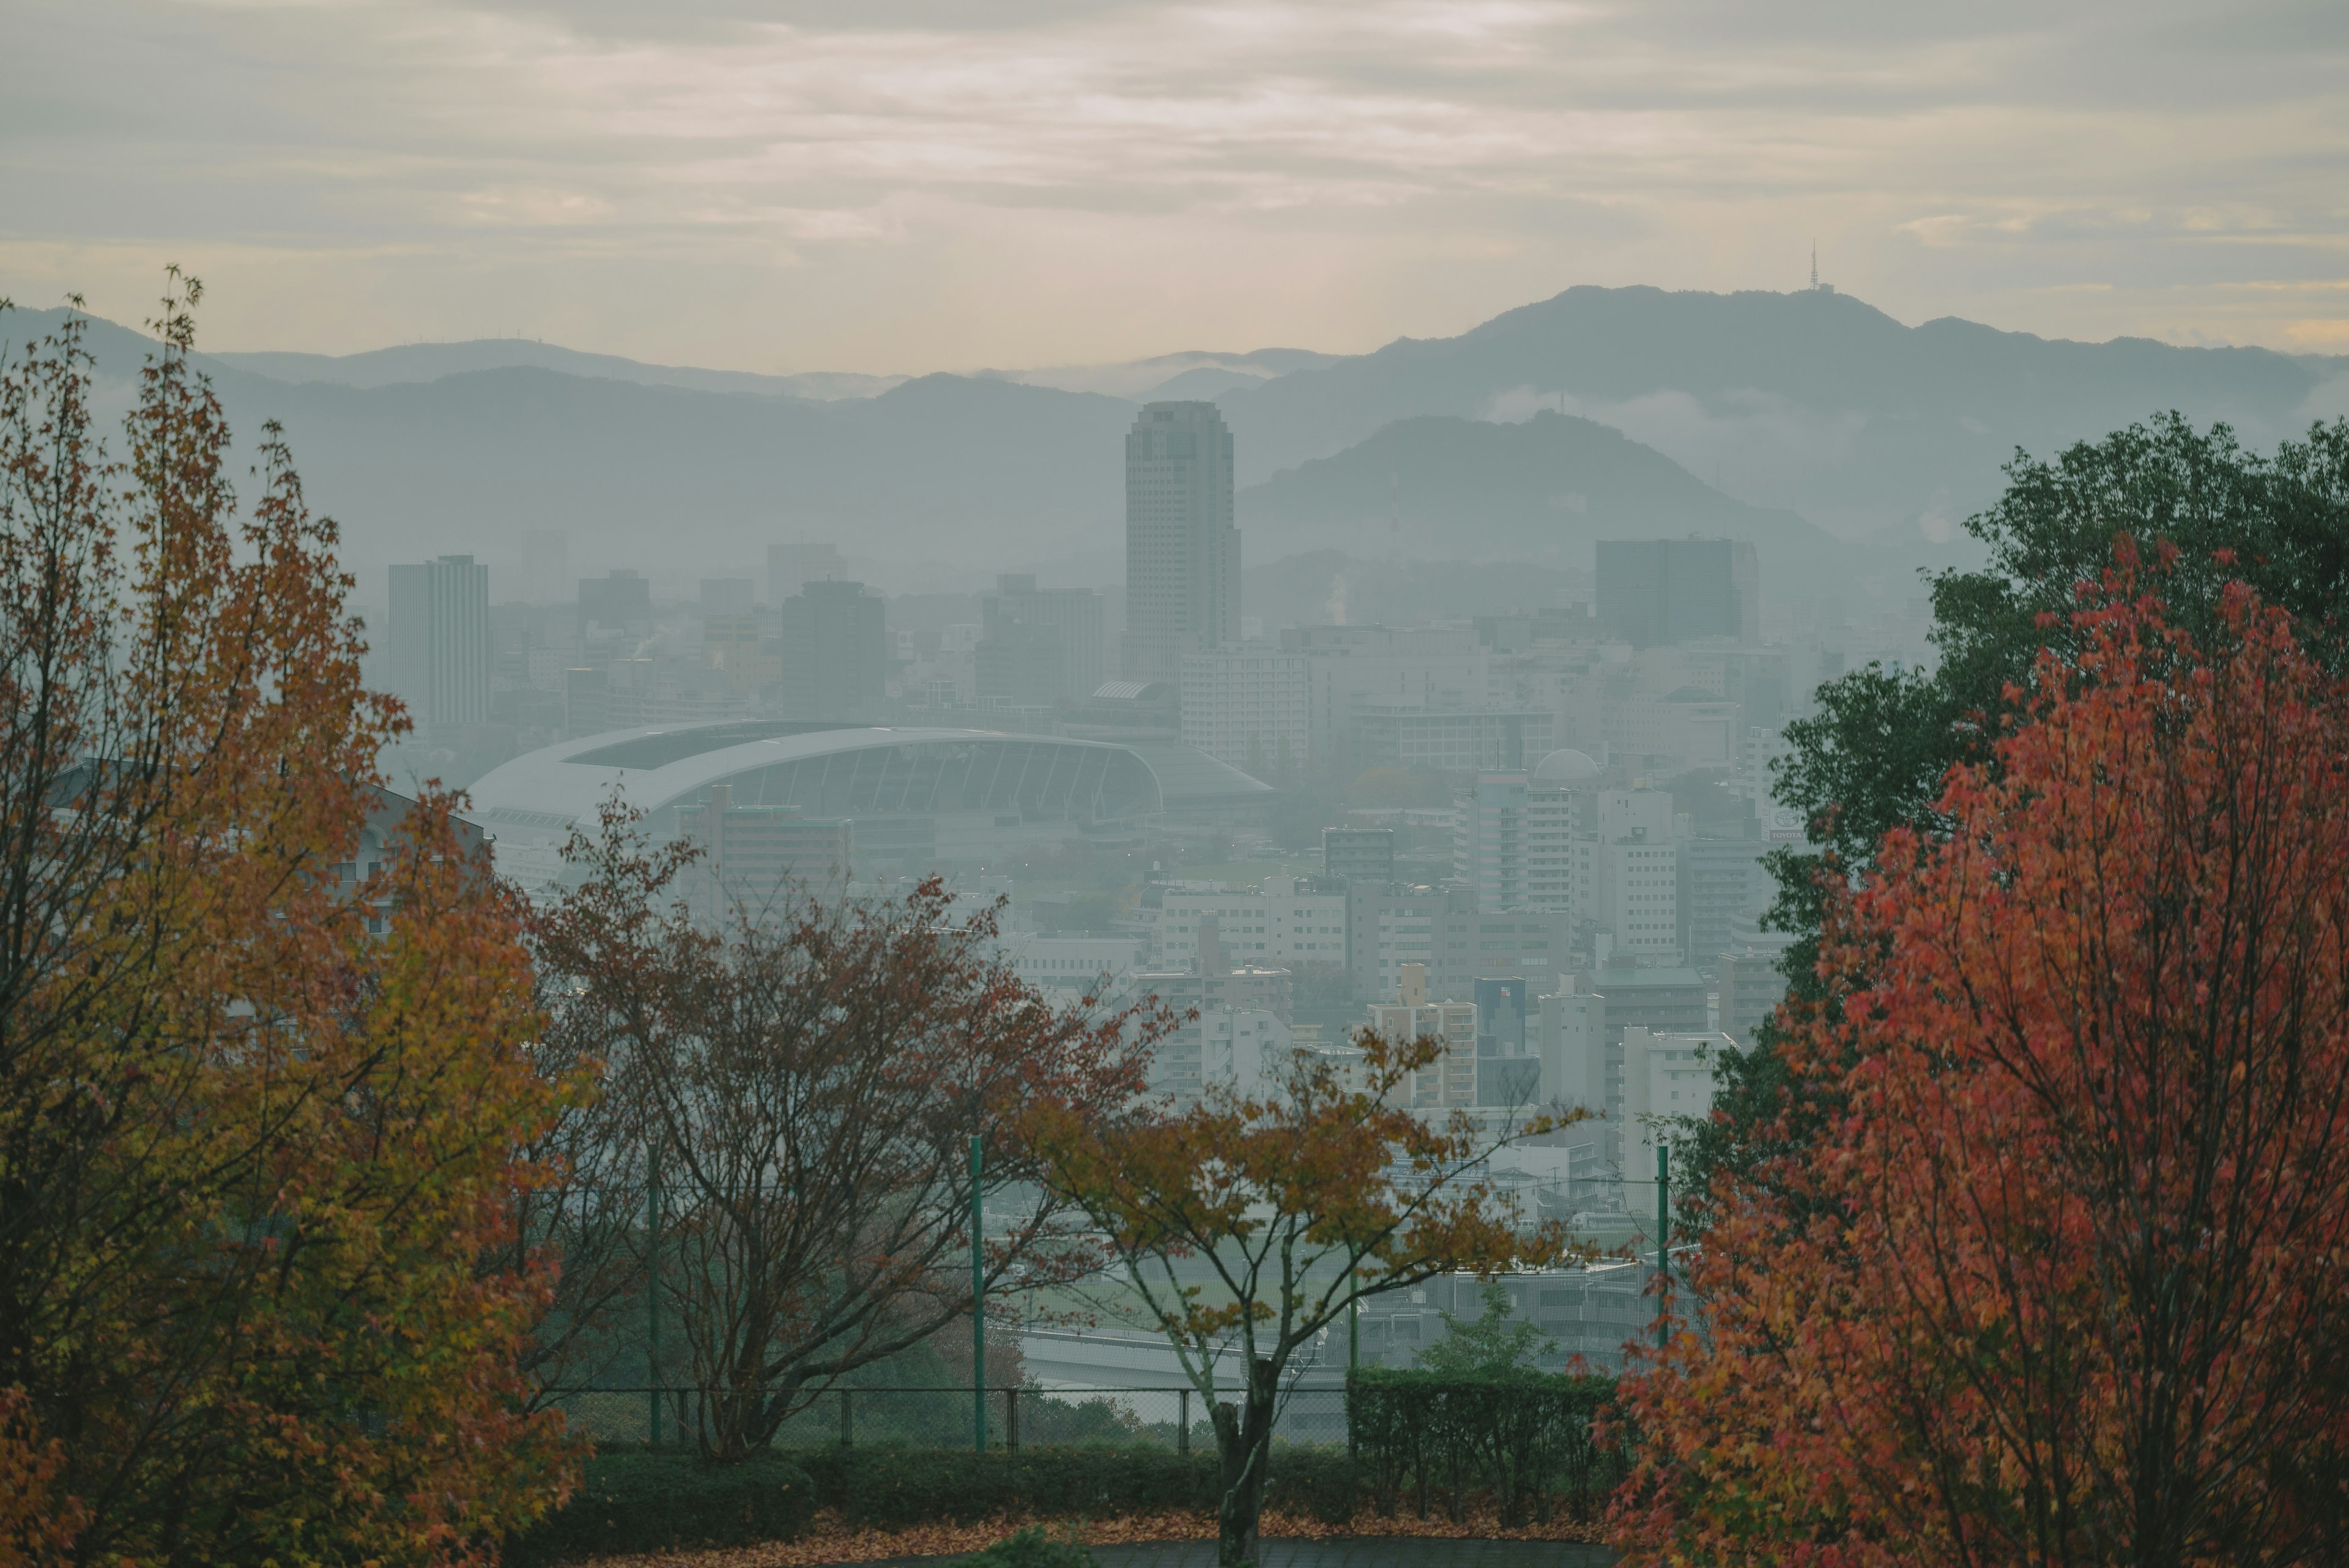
{"x":1436,"y":668}
{"x":1451,"y":1078}
{"x":1245,"y":1049}
{"x":1665,"y":1076}
{"x":1072,"y":963}
{"x":1277,"y":927}
{"x":1246,"y":705}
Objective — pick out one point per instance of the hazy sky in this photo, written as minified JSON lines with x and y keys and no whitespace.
{"x":898,"y":186}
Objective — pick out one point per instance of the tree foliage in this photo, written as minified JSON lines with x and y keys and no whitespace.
{"x":1249,"y":1226}
{"x":1874,"y":756}
{"x":801,"y":1084}
{"x":2057,"y":1280}
{"x":260,"y":1110}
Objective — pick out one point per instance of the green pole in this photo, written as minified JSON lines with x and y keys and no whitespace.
{"x":652,"y":1291}
{"x":977,"y":1303}
{"x":1663,"y":1239}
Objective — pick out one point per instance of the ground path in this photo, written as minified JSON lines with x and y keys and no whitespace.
{"x":1357,"y":1552}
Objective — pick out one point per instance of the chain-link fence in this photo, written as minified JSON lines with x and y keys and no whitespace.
{"x":946,"y":1417}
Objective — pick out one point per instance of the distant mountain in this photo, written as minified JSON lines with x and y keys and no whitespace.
{"x":1811,"y":401}
{"x":1600,"y":412}
{"x":1543,"y":491}
{"x":418,"y":362}
{"x":961,"y":473}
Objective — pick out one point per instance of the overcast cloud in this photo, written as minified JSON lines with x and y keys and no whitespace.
{"x":902,"y":187}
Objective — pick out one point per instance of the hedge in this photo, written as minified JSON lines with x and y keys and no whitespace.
{"x":888,"y":1488}
{"x":635,"y":1499}
{"x":1523,"y":1438}
{"x":653,"y":1500}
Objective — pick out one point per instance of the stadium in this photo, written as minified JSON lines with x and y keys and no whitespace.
{"x":915,"y":797}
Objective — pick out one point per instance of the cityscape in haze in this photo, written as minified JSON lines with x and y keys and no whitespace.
{"x":1543,"y":783}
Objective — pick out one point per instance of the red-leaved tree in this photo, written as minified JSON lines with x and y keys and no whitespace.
{"x":2063,"y":1284}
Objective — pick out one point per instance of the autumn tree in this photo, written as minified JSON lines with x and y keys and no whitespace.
{"x":808,"y":1077}
{"x":259,"y":1110}
{"x":1248,"y":1225}
{"x":2058,"y":1282}
{"x":1874,"y":753}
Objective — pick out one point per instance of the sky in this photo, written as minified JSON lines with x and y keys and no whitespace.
{"x":894,"y":186}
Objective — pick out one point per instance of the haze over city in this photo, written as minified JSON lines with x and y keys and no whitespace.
{"x":1553,"y":775}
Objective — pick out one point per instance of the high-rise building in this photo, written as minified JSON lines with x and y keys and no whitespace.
{"x":835,"y":653}
{"x":1181,"y":550}
{"x":439,"y":639}
{"x":623,"y":599}
{"x":1658,"y":591}
{"x":1056,"y":656}
{"x":1246,"y":705}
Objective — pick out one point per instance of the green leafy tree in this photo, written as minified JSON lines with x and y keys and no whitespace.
{"x":1495,"y":1340}
{"x":2203,"y":511}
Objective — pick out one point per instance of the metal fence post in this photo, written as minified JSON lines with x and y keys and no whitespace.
{"x":1012,"y":1420}
{"x":652,"y":1291}
{"x":1183,"y":1422}
{"x":847,"y":1421}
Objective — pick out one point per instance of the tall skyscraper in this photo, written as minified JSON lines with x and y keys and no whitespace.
{"x":441,"y":642}
{"x":1658,"y":591}
{"x":1039,"y":645}
{"x":1181,"y":550}
{"x":835,"y":653}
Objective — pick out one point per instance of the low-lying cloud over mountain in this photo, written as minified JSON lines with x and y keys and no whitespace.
{"x":1797,"y":420}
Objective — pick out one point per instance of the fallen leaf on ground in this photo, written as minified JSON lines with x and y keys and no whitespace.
{"x":832,"y":1541}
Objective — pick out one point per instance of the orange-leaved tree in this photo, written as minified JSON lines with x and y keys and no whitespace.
{"x":2062,"y":1282}
{"x":263,"y":1065}
{"x":1248,"y":1224}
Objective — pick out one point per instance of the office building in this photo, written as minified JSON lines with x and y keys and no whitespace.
{"x":1281,"y":925}
{"x":1442,"y":929}
{"x":1246,"y":705}
{"x":1659,"y":999}
{"x":619,"y":600}
{"x":760,"y":860}
{"x":1658,"y":591}
{"x":1451,"y":741}
{"x":1753,"y":984}
{"x":1060,"y":659}
{"x":439,"y":642}
{"x":1721,"y":878}
{"x":835,"y":653}
{"x":1509,"y":1068}
{"x":1181,"y":550}
{"x":1359,"y":855}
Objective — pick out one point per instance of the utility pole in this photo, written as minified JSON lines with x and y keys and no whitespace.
{"x":978,"y":1302}
{"x":1663,"y":1242}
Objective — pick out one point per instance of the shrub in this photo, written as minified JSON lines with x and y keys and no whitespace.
{"x":1521,"y":1438}
{"x":1032,"y":1548}
{"x":645,"y":1501}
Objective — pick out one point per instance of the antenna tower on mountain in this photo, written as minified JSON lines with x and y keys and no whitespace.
{"x":1815,"y":265}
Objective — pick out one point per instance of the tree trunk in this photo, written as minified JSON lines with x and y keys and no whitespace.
{"x":1244,"y":1436}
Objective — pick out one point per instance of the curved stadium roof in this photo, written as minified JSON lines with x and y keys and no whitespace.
{"x":830,"y":770}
